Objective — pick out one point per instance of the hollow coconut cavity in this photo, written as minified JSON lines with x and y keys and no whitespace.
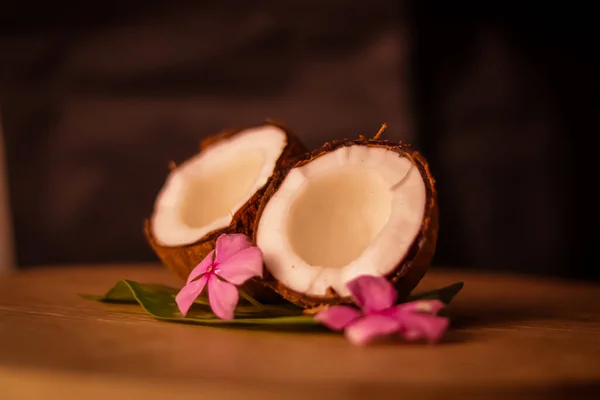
{"x":216,"y":191}
{"x":356,"y":207}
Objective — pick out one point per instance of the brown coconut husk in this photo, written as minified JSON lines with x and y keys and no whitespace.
{"x":181,"y":260}
{"x":411,"y":269}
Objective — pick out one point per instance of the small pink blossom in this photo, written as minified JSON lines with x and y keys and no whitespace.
{"x":378,"y":316}
{"x":233,"y":261}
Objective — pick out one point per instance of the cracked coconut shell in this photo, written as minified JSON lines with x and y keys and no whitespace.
{"x":405,"y":272}
{"x":181,"y":258}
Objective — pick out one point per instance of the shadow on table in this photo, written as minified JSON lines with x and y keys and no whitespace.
{"x":467,"y":316}
{"x":559,"y":390}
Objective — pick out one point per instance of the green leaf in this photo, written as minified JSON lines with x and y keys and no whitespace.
{"x":445,"y":294}
{"x":159,"y":301}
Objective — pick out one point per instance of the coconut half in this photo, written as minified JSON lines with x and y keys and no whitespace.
{"x":351,"y":208}
{"x":216,"y":191}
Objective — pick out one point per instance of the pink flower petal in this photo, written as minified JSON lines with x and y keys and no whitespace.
{"x":223,"y":297}
{"x":202,"y":267}
{"x":228,"y":245}
{"x":189,"y":293}
{"x":242,"y":266}
{"x":431,"y":307}
{"x":371,"y":327}
{"x":372,"y":293}
{"x":416,"y":326}
{"x":337,"y":317}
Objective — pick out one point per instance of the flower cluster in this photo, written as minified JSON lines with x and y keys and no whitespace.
{"x":379,"y":316}
{"x":234,"y":261}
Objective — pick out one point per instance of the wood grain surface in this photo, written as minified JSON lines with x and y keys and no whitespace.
{"x":520,"y":337}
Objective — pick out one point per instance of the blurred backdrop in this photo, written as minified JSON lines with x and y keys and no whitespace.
{"x":96,"y":98}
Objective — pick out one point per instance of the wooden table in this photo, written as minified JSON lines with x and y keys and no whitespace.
{"x":512,"y":336}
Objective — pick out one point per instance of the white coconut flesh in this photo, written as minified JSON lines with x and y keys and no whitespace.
{"x":204,"y":193}
{"x":353,"y":211}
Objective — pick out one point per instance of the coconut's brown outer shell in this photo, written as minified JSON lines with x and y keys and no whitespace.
{"x":182,"y":259}
{"x":411,"y":269}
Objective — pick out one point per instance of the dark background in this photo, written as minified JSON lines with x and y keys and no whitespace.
{"x":96,"y":98}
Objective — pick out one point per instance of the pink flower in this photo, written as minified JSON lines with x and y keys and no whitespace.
{"x":379,"y":316}
{"x":231,"y":263}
